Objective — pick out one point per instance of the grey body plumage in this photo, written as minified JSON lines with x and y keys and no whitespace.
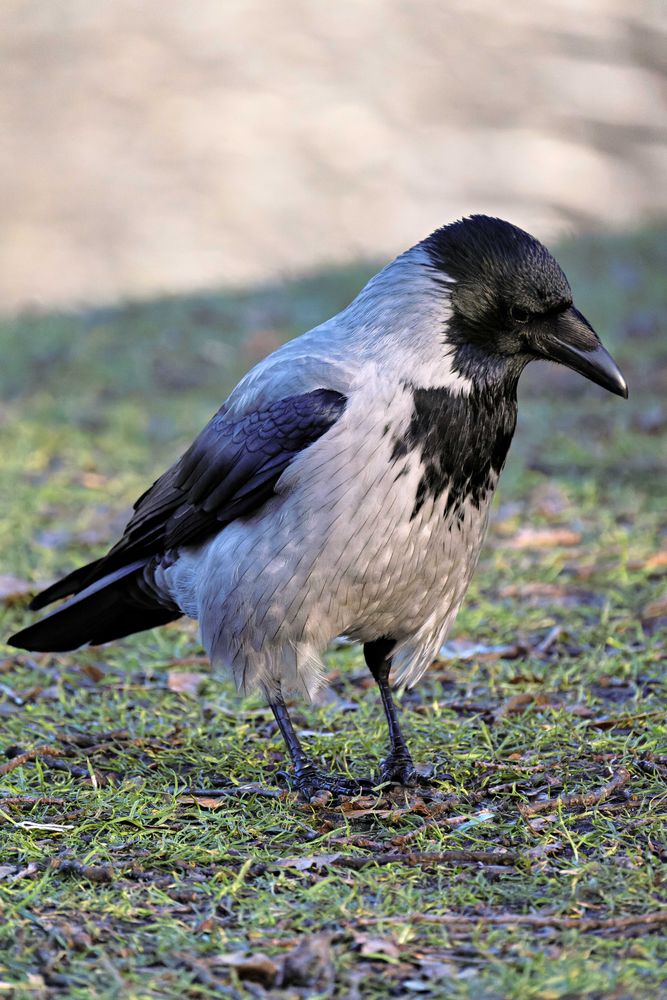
{"x":344,"y":486}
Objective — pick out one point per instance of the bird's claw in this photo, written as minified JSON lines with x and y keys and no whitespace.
{"x":311,"y":782}
{"x":399,"y":769}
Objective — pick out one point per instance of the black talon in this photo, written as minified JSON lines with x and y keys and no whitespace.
{"x":311,"y":781}
{"x":397,"y":767}
{"x":400,"y":770}
{"x":308,"y":778}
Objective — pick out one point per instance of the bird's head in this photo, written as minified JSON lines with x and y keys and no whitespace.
{"x":511,"y":303}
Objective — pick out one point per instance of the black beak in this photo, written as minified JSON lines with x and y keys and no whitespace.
{"x":572,"y":341}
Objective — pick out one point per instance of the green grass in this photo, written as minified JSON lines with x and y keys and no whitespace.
{"x":138,"y":891}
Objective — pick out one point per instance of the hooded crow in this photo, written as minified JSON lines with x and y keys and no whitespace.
{"x":344,"y":486}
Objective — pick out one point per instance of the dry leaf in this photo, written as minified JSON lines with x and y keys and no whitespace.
{"x":544,"y":538}
{"x":206,"y":802}
{"x":521,"y":703}
{"x":544,"y":850}
{"x":540,"y":822}
{"x":581,"y":711}
{"x":534,"y":589}
{"x":93,"y":671}
{"x":94,"y":480}
{"x":655,"y":609}
{"x":378,"y":946}
{"x":184,"y":682}
{"x":258,"y":968}
{"x":309,"y":964}
{"x":657,"y":561}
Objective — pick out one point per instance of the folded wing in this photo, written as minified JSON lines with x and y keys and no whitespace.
{"x":229,"y":471}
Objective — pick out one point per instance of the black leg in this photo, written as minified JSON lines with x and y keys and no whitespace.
{"x":398,"y":765}
{"x":308,"y":778}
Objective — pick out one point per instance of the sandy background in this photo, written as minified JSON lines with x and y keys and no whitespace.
{"x":166,"y":146}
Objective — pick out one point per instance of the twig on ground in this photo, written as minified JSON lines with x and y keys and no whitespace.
{"x":83,"y":746}
{"x":95,"y":873}
{"x":30,"y":800}
{"x":87,"y":740}
{"x":591,"y":798}
{"x":529,"y":919}
{"x":623,"y":721}
{"x":452,"y":821}
{"x":200,"y":795}
{"x":30,"y":755}
{"x":457,"y":856}
{"x":362,"y":840}
{"x":77,"y":771}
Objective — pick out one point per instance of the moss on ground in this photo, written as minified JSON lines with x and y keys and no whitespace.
{"x":536,"y":866}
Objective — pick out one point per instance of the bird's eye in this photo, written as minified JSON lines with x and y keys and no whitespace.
{"x":519,"y":315}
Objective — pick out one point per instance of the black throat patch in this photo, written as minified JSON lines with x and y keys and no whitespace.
{"x":463,"y":442}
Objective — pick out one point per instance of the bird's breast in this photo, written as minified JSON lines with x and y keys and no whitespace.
{"x":375,"y":530}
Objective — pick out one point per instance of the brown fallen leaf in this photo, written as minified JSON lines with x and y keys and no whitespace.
{"x":377,"y":946}
{"x":94,"y":480}
{"x":205,"y":802}
{"x":310,"y":964}
{"x":93,"y":671}
{"x":544,"y":850}
{"x":655,"y":609}
{"x":184,"y":682}
{"x":219,"y":797}
{"x":544,"y":538}
{"x":534,"y":589}
{"x":581,"y":711}
{"x":539,"y":823}
{"x":658,"y":561}
{"x":257,"y":968}
{"x":521,"y":702}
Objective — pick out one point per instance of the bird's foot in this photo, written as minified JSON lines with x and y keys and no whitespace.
{"x":311,"y":782}
{"x":398,"y":768}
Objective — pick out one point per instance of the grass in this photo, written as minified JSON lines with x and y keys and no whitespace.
{"x":113,"y":883}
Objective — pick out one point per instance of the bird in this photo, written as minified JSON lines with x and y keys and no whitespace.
{"x":343,"y":488}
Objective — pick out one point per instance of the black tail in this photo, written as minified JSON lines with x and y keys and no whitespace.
{"x":70,"y":584}
{"x":114,"y":606}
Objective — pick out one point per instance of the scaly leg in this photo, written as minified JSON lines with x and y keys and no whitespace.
{"x":308,"y":778}
{"x":398,"y":765}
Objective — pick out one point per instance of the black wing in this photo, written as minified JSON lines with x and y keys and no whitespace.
{"x":228,"y":472}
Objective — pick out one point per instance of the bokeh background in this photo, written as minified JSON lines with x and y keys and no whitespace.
{"x":164,"y":146}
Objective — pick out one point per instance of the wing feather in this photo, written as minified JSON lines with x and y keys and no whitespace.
{"x":228,"y":472}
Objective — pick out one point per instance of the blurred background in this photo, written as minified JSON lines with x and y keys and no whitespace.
{"x":165,"y":147}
